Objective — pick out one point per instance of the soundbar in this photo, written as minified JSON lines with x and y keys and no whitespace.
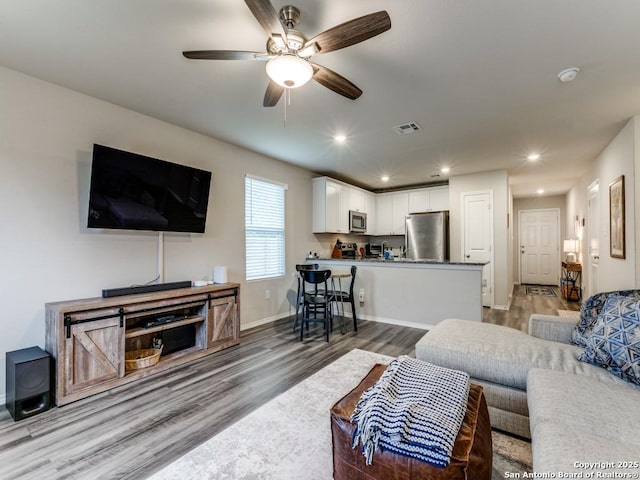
{"x":116,"y":292}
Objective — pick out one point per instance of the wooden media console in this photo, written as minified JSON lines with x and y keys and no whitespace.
{"x":89,"y":338}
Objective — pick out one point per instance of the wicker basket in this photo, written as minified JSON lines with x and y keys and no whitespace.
{"x":147,"y":357}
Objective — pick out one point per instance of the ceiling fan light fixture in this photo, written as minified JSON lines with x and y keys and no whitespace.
{"x":289,"y":71}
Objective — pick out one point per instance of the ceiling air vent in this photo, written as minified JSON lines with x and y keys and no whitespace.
{"x":406,"y":128}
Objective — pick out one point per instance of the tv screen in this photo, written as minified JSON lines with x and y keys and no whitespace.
{"x":133,"y":192}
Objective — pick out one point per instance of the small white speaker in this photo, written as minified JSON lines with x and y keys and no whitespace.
{"x":219,"y":274}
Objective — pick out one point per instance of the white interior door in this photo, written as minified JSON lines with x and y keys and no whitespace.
{"x":477,"y":235}
{"x":540,"y":246}
{"x":593,"y":237}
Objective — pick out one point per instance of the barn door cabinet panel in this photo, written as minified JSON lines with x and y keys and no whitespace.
{"x":89,"y":338}
{"x":93,"y":354}
{"x":224,"y":328}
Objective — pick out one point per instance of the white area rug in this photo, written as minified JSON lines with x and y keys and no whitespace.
{"x":290,"y":436}
{"x":569,"y":313}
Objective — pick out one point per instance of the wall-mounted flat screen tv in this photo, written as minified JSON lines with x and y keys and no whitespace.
{"x":133,"y":192}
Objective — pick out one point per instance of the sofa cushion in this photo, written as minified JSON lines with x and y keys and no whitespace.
{"x":589,"y":314}
{"x":614,"y":342}
{"x":507,"y":407}
{"x":578,"y":418}
{"x":499,"y":354}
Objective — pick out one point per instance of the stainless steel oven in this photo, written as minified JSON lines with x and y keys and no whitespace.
{"x":357,"y":222}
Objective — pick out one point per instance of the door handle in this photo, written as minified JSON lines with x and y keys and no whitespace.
{"x":468,"y":256}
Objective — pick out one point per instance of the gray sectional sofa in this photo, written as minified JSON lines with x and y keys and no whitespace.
{"x":535,"y":387}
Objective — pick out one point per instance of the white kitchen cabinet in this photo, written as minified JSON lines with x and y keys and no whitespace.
{"x":439,"y":198}
{"x":386,"y":212}
{"x":419,"y":200}
{"x":370,"y":209}
{"x":428,"y":199}
{"x":357,"y":200}
{"x":330,"y":206}
{"x":400,"y":211}
{"x":391,"y":211}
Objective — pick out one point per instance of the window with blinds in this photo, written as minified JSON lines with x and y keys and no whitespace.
{"x":264,"y":228}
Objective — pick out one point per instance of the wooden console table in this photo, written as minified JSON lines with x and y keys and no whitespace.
{"x":571,"y":281}
{"x":89,"y":338}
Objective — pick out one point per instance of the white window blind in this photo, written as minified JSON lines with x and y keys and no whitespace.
{"x":264,"y":228}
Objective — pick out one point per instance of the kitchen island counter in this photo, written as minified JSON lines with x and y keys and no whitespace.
{"x":414,"y":293}
{"x":395,"y":261}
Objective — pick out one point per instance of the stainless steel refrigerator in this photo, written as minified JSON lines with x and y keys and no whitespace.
{"x":427,"y":236}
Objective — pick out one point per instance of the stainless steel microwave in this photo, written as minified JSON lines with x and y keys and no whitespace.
{"x":357,"y":222}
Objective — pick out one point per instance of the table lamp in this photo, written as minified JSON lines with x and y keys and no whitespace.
{"x":570,"y":247}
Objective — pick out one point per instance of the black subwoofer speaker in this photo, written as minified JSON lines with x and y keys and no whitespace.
{"x":28,"y":382}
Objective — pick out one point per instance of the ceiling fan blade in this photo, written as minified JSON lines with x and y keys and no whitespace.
{"x":273,"y":94}
{"x":352,"y":32}
{"x":267,"y":16}
{"x":226,"y":55}
{"x":333,"y":81}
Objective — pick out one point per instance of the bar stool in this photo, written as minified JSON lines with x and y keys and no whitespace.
{"x":343,"y":296}
{"x":299,"y":268}
{"x":316,"y":306}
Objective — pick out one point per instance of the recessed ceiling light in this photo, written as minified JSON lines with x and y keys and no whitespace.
{"x":340,"y":138}
{"x":540,"y":191}
{"x":384,"y":178}
{"x":533,"y":157}
{"x":445,"y":170}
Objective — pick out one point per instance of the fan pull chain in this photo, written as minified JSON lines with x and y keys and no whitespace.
{"x":287,"y":102}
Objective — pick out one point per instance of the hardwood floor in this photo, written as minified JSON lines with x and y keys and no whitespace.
{"x":136,"y":429}
{"x":522,"y":306}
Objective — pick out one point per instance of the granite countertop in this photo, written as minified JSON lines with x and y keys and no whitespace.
{"x":374,"y":260}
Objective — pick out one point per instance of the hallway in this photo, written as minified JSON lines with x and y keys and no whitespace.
{"x":523,"y":305}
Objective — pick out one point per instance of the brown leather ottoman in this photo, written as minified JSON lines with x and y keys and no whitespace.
{"x":472,"y":452}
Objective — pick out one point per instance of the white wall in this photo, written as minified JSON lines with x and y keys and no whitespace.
{"x":497,"y":182}
{"x":621,"y":157}
{"x":634,"y":205}
{"x":47,"y":253}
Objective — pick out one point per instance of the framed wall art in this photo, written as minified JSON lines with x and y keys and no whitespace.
{"x":616,"y":218}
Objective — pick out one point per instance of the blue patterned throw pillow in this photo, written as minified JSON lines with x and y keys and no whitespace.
{"x":590,"y":312}
{"x":614,"y":342}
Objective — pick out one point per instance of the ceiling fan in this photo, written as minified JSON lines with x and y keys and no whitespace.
{"x":288,"y":50}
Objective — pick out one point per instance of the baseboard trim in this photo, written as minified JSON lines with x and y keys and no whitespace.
{"x":3,"y":399}
{"x":264,"y":321}
{"x":393,"y":321}
{"x":501,"y":307}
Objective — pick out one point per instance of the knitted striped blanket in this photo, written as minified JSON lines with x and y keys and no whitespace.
{"x":415,"y":409}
